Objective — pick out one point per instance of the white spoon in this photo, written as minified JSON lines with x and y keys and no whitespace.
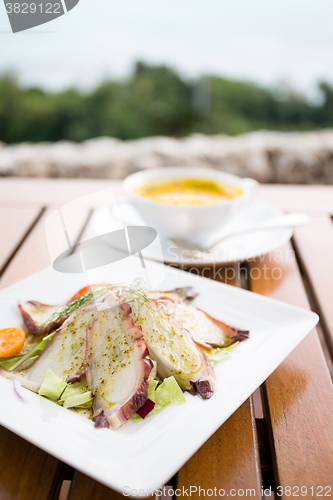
{"x":284,"y":221}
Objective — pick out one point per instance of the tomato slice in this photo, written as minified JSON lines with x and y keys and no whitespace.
{"x":11,"y":342}
{"x":86,"y":289}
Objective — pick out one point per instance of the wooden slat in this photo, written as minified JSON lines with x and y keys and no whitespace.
{"x":14,"y":224}
{"x":228,"y":460}
{"x":52,"y":191}
{"x":86,"y":488}
{"x":60,"y":191}
{"x":315,"y":247}
{"x":294,"y":198}
{"x":33,"y":255}
{"x":299,"y":392}
{"x":26,"y":473}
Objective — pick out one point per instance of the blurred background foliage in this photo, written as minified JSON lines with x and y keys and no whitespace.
{"x":155,"y":100}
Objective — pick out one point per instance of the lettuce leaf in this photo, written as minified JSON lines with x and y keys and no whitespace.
{"x":76,"y":395}
{"x":52,"y":386}
{"x":152,"y":388}
{"x":218,"y":353}
{"x":7,"y":363}
{"x":74,"y":389}
{"x":80,"y":400}
{"x":163,"y":394}
{"x":169,"y":392}
{"x":72,"y":395}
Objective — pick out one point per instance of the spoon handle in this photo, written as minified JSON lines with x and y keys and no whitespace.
{"x":283,"y":221}
{"x":288,"y":220}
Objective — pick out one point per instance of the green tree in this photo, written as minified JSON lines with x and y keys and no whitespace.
{"x":154,"y":100}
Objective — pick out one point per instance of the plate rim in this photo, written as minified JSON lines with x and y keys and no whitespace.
{"x":309,"y":318}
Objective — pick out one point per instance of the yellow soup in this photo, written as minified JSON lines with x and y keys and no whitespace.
{"x":188,"y":191}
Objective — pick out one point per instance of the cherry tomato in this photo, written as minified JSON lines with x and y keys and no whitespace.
{"x":11,"y":342}
{"x":86,"y":289}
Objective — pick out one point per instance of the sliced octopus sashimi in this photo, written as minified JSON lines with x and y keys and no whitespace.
{"x":174,"y":350}
{"x":205,"y":330}
{"x":35,"y":315}
{"x":117,"y":369}
{"x":64,"y":354}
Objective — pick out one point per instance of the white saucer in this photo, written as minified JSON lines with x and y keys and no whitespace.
{"x":234,"y":249}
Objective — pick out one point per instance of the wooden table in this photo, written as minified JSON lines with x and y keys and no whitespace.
{"x":282,"y":437}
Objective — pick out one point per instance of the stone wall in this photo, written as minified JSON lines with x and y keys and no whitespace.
{"x":302,"y":157}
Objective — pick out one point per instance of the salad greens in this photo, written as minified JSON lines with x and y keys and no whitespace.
{"x":72,"y":395}
{"x":218,"y":353}
{"x":53,"y":386}
{"x":76,"y":395}
{"x":169,"y":391}
{"x":80,"y":400}
{"x":162,"y":394}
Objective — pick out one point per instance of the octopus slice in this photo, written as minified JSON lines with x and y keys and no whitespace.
{"x":64,"y":354}
{"x":173,"y":348}
{"x":117,"y":369}
{"x":35,"y":314}
{"x":205,"y":330}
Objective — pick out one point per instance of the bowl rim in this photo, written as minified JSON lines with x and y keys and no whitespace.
{"x":194,"y":172}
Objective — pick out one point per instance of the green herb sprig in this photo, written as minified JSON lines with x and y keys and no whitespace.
{"x":74,"y":304}
{"x":137,"y":288}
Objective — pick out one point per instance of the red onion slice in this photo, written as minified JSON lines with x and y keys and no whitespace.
{"x":17,"y":386}
{"x":146,"y":408}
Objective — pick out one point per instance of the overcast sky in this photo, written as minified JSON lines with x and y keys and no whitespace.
{"x":267,"y":41}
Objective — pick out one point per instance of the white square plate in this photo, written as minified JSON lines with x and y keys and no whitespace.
{"x":145,"y":455}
